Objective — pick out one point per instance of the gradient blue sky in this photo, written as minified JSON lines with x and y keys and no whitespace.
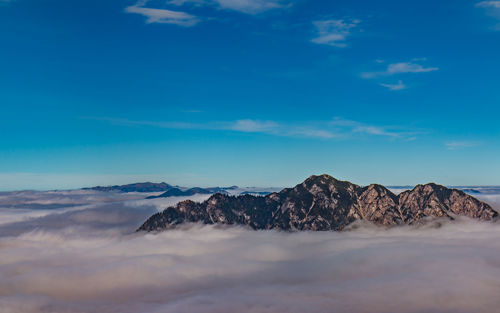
{"x":248,"y":92}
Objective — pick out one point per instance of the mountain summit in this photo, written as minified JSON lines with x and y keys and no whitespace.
{"x":325,"y":203}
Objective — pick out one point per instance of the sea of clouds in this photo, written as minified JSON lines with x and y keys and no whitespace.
{"x":77,"y":251}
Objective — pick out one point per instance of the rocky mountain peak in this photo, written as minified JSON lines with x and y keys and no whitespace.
{"x":439,"y":201}
{"x":325,"y":203}
{"x":326,"y":180}
{"x":320,"y":179}
{"x":430,"y":188}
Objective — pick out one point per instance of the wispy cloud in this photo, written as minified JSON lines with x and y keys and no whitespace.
{"x":252,"y":126}
{"x":401,"y":68}
{"x":243,"y":6}
{"x":362,"y":128}
{"x":489,"y":4}
{"x":336,"y":128}
{"x":166,"y":15}
{"x":456,"y":145}
{"x":251,"y":6}
{"x":242,"y":125}
{"x":395,"y":87}
{"x":191,"y":111}
{"x":159,"y":124}
{"x":334,"y":32}
{"x":492,"y":9}
{"x":408,"y":67}
{"x":162,"y":15}
{"x":183,"y":2}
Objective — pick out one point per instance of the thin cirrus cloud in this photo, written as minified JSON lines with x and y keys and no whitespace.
{"x":456,"y":145}
{"x":355,"y":127}
{"x":395,"y":87}
{"x":336,"y":128}
{"x":277,"y":129}
{"x":400,"y":68}
{"x":243,"y":6}
{"x":334,"y":32}
{"x":253,"y":126}
{"x":492,"y":8}
{"x":163,"y":16}
{"x":489,"y":4}
{"x":242,"y":126}
{"x":413,"y":66}
{"x":181,"y":18}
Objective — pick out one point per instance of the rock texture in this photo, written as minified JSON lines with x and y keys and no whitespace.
{"x":324,"y":203}
{"x":439,"y":201}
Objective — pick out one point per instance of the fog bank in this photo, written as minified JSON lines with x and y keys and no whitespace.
{"x":91,"y":260}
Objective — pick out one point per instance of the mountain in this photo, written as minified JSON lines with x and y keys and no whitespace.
{"x":137,"y":187}
{"x":176,"y":192}
{"x":256,"y":193}
{"x":324,"y":203}
{"x":169,"y":190}
{"x":436,"y":200}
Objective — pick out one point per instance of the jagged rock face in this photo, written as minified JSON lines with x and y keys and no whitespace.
{"x":320,"y":202}
{"x":255,"y":212}
{"x":438,"y":201}
{"x":324,"y":203}
{"x":377,"y":204}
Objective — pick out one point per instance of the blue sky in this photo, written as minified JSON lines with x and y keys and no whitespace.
{"x":248,"y":92}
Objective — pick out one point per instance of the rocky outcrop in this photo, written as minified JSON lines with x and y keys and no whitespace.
{"x":377,"y":204}
{"x":324,"y":203}
{"x":439,"y":201}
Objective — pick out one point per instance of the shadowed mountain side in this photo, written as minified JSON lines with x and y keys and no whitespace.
{"x":167,"y":189}
{"x":176,"y":192}
{"x":136,"y":187}
{"x":324,"y":203}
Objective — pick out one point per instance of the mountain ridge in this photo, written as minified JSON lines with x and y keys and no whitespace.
{"x":167,"y":189}
{"x":325,"y":203}
{"x":177,"y":192}
{"x":134,"y":187}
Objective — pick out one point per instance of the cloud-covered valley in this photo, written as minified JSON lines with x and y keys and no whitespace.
{"x":77,"y":251}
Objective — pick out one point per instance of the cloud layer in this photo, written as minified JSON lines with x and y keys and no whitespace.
{"x":334,"y":128}
{"x":90,"y":260}
{"x":181,"y":18}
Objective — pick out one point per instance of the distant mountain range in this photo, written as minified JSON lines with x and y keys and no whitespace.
{"x":484,"y":190}
{"x":177,"y":192}
{"x":136,"y":187}
{"x":169,"y":190}
{"x":324,"y":203}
